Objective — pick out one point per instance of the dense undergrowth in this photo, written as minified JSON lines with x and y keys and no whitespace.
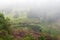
{"x":24,"y":29}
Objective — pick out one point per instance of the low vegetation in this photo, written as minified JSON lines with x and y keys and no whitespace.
{"x":25,"y":29}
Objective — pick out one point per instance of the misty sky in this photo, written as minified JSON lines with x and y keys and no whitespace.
{"x":29,"y":3}
{"x":49,"y":5}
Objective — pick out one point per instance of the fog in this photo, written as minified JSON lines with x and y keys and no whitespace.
{"x":30,"y":19}
{"x":49,"y":8}
{"x":43,"y":4}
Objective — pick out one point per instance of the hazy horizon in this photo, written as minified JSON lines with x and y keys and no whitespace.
{"x":48,"y":7}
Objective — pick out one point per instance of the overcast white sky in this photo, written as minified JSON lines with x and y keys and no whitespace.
{"x":4,"y":3}
{"x":48,"y":4}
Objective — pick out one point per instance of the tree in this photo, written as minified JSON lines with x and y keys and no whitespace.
{"x":3,"y":27}
{"x":2,"y":22}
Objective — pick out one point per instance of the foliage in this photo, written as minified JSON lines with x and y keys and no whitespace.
{"x":2,"y":22}
{"x":25,"y":29}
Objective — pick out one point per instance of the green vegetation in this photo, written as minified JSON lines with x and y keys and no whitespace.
{"x":25,"y":29}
